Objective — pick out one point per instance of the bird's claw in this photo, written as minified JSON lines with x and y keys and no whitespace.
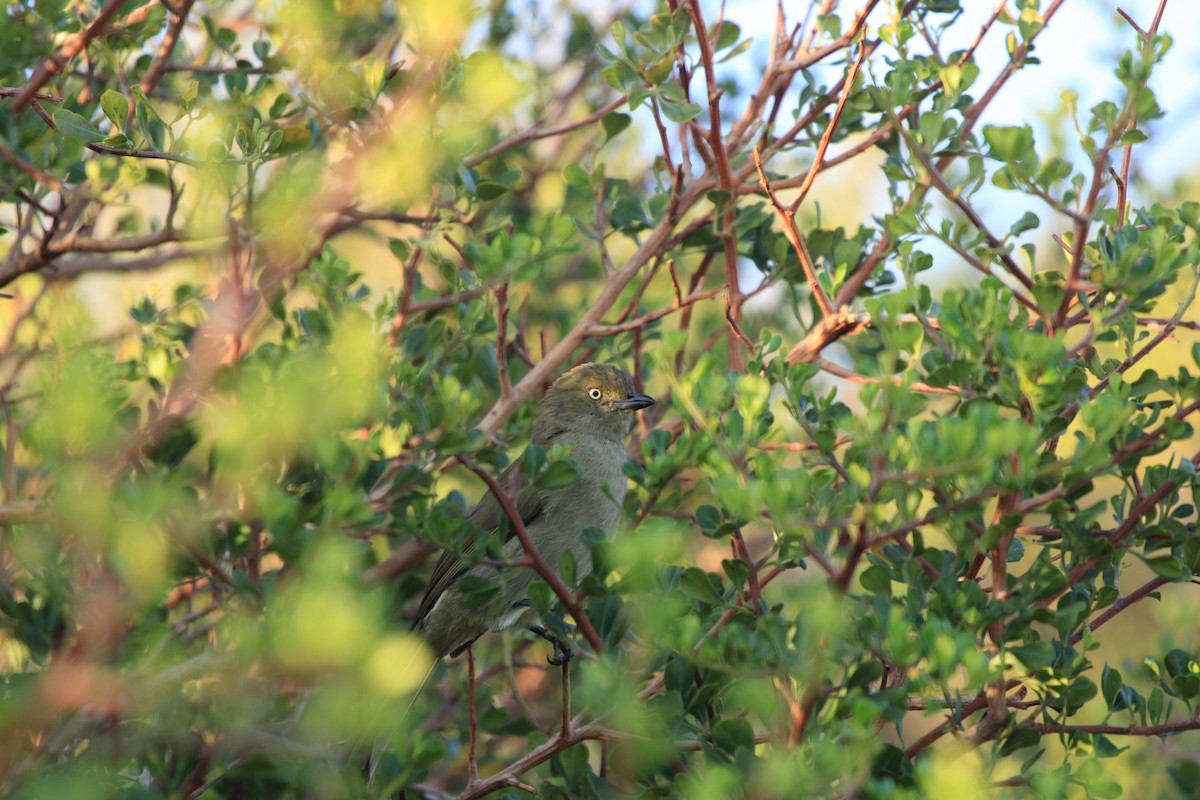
{"x":562,"y":651}
{"x":562,"y":654}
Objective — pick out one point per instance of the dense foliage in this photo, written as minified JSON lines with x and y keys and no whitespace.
{"x":887,"y":535}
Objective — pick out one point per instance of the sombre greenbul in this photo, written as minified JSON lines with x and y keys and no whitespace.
{"x":590,"y":409}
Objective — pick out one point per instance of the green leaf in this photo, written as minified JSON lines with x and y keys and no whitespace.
{"x":142,"y":102}
{"x":699,"y":585}
{"x":1168,"y":567}
{"x":115,"y":107}
{"x":1028,"y":221}
{"x":541,"y":597}
{"x":865,"y":674}
{"x":1132,"y":136}
{"x":71,"y":124}
{"x":1019,"y":739}
{"x":400,"y":249}
{"x":679,"y":112}
{"x":558,"y":475}
{"x":1009,"y":142}
{"x":144,"y":312}
{"x":574,"y":175}
{"x":1016,"y":551}
{"x":476,"y":591}
{"x":490,"y":190}
{"x":742,"y":47}
{"x":1187,"y":686}
{"x":1035,"y":654}
{"x":614,"y":122}
{"x":736,"y":570}
{"x":566,"y":568}
{"x":875,"y":579}
{"x":708,"y":518}
{"x":1110,"y":686}
{"x":726,"y":36}
{"x":731,"y":734}
{"x":718,"y":197}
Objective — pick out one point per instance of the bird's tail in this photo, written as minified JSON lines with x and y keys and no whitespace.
{"x":381,"y":742}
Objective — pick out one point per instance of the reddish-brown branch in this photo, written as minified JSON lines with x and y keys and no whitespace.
{"x":740,"y":551}
{"x":1122,"y":179}
{"x":801,"y":447}
{"x":731,"y":319}
{"x":955,"y":197}
{"x":725,"y":178}
{"x":69,"y":49}
{"x":1165,"y":729}
{"x":502,"y":340}
{"x":8,"y":91}
{"x":637,"y":323}
{"x":823,"y":146}
{"x":656,"y":685}
{"x":536,"y":132}
{"x":559,"y":354}
{"x":842,"y":581}
{"x":916,"y":386}
{"x":564,"y":730}
{"x":540,"y":566}
{"x":1123,"y":602}
{"x":473,"y":726}
{"x":792,"y":232}
{"x":178,"y":19}
{"x":1127,"y":122}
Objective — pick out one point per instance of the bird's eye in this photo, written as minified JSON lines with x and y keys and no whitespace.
{"x":594,"y":394}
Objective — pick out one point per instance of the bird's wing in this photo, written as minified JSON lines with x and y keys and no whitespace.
{"x":487,"y":515}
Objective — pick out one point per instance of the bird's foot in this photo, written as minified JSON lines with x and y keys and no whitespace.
{"x":562,"y":651}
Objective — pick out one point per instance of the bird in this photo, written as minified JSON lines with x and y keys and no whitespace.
{"x":591,"y":409}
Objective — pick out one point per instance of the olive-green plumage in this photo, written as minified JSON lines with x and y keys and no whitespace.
{"x":591,"y":410}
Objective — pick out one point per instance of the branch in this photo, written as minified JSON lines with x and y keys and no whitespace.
{"x":20,"y":511}
{"x":1165,"y":729}
{"x":1127,"y":157}
{"x":652,"y":316}
{"x":535,"y":132}
{"x":793,"y":236}
{"x":609,"y":295}
{"x":6,"y":91}
{"x":70,"y":48}
{"x":406,"y":557}
{"x":819,"y":159}
{"x":163,"y":56}
{"x":725,"y":174}
{"x":1121,"y":603}
{"x":540,"y":566}
{"x":508,"y":776}
{"x":825,"y":332}
{"x":955,"y":197}
{"x":70,"y":267}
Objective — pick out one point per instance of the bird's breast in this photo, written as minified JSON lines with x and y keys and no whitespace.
{"x":595,"y":500}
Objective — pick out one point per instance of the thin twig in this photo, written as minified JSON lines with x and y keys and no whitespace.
{"x":827,"y":136}
{"x":792,"y":232}
{"x":472,"y":759}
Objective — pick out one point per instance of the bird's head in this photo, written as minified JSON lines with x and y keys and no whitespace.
{"x":597,"y":398}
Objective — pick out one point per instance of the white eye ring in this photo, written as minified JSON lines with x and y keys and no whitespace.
{"x":594,"y":394}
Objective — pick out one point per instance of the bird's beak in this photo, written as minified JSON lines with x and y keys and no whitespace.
{"x":635,"y":401}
